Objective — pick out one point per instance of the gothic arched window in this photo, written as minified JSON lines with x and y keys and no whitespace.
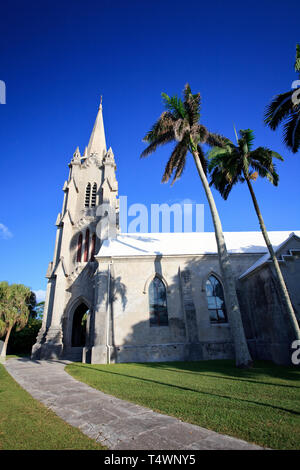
{"x":87,"y":195}
{"x":158,"y":303}
{"x":94,"y":194}
{"x":93,"y":245}
{"x":79,"y":248}
{"x":215,"y":300}
{"x":86,"y":245}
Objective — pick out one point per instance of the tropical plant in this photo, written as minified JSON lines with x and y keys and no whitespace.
{"x":285,"y":107}
{"x":241,"y":163}
{"x":180,"y":124}
{"x":14,"y":309}
{"x":21,"y":342}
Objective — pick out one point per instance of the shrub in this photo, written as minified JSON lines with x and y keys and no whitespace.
{"x":22,"y":341}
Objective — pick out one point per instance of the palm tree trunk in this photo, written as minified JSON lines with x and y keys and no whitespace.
{"x":283,"y":289}
{"x":3,"y":352}
{"x":242,"y":355}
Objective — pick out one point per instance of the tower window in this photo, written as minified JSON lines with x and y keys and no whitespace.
{"x":158,"y":303}
{"x":94,"y":195}
{"x":79,"y":248}
{"x":215,"y":300}
{"x":86,"y":245}
{"x":87,"y":195}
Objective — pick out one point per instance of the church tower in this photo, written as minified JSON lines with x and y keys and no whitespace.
{"x":70,"y":297}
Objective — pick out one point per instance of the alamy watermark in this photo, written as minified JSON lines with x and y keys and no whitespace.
{"x":2,"y":92}
{"x":296,"y":353}
{"x":136,"y":218}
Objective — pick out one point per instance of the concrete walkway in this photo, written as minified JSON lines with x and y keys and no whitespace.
{"x":114,"y":423}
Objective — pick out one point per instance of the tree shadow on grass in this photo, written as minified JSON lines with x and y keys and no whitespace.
{"x":187,"y":389}
{"x":227,"y":367}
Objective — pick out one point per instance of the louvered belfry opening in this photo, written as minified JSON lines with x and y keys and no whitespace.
{"x":94,"y":195}
{"x":87,"y":195}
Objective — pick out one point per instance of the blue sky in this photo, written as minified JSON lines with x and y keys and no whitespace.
{"x":57,"y":58}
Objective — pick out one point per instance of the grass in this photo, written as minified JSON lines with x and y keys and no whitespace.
{"x":26,"y":424}
{"x":260,"y":405}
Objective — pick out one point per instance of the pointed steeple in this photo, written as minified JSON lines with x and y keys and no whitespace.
{"x":97,"y":142}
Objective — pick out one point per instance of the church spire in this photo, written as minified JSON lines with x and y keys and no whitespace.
{"x":97,"y":142}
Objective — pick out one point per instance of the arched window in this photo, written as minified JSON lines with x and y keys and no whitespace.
{"x":93,"y":245}
{"x":86,"y":245}
{"x":79,"y":248}
{"x":215,"y":300}
{"x":87,"y":195}
{"x":158,"y":303}
{"x":94,"y":194}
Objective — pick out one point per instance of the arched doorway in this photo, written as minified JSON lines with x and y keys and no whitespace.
{"x":79,"y":326}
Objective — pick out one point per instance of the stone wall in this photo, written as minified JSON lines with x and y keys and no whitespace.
{"x":189,"y":334}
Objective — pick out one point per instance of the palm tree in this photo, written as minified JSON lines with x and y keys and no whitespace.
{"x":239,"y":163}
{"x":14,"y":309}
{"x":286,"y":108}
{"x":180,"y":123}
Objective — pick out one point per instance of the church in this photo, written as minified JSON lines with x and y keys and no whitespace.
{"x":145,"y":297}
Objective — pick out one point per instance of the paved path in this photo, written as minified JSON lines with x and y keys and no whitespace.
{"x":114,"y":423}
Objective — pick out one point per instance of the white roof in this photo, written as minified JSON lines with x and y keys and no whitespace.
{"x":196,"y":243}
{"x":265,"y":258}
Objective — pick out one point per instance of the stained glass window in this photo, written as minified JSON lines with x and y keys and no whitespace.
{"x":215,"y":300}
{"x":158,"y":303}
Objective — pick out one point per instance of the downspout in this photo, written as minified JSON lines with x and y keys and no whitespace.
{"x":108,"y":315}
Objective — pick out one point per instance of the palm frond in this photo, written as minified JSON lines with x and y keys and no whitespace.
{"x":225,"y":167}
{"x":180,"y":122}
{"x":297,"y":63}
{"x":234,"y":163}
{"x":216,"y":140}
{"x":291,"y":132}
{"x":179,"y":170}
{"x":181,"y":126}
{"x":176,"y":162}
{"x":200,"y":133}
{"x":174,"y":105}
{"x":216,"y":154}
{"x":162,"y":139}
{"x":279,"y":109}
{"x":262,"y":161}
{"x":266,"y":172}
{"x":161,"y":126}
{"x":192,"y":104}
{"x":247,"y":136}
{"x":277,"y":155}
{"x":223,"y":181}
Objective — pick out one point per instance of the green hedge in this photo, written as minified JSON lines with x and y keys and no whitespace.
{"x":21,"y":342}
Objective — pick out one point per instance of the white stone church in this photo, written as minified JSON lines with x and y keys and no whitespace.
{"x":138,"y":297}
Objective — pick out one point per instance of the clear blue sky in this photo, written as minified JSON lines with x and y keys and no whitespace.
{"x":58,"y":57}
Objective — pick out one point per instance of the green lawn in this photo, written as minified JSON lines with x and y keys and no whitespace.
{"x":27,"y":424}
{"x":260,"y":405}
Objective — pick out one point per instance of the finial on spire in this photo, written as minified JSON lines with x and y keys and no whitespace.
{"x":100,"y":102}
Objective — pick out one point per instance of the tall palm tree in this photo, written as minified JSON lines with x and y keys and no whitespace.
{"x":180,"y":123}
{"x":14,"y":310}
{"x":286,"y":108}
{"x":239,"y":163}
